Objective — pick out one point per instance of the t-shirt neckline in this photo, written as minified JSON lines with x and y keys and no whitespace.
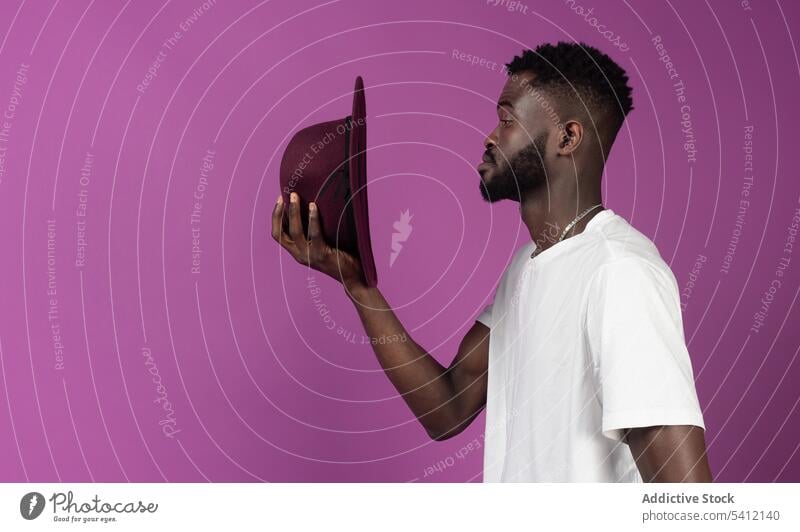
{"x":560,"y":247}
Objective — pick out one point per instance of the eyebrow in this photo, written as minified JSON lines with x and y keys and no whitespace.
{"x":506,"y":102}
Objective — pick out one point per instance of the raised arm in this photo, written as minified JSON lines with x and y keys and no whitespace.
{"x":444,"y":400}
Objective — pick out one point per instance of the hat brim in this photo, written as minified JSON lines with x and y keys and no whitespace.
{"x":358,"y":183}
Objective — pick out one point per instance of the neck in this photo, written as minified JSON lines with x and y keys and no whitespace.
{"x":547,"y":214}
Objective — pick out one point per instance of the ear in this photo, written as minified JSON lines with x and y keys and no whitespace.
{"x":570,"y":137}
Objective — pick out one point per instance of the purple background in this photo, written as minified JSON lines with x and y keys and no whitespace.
{"x":260,"y":388}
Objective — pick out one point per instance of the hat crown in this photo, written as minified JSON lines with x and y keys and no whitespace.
{"x":313,"y":155}
{"x":327,"y":163}
{"x":316,"y":166}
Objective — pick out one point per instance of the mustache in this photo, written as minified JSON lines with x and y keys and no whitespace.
{"x":488,"y":158}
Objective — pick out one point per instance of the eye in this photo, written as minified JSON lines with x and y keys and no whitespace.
{"x":506,"y":123}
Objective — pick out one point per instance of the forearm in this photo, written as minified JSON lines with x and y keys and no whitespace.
{"x":423,"y":383}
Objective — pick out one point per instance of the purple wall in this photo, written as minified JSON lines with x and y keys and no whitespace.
{"x":262,"y":372}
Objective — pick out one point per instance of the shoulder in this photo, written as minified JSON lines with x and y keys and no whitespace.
{"x":620,"y":251}
{"x":638,"y":291}
{"x":617,"y":239}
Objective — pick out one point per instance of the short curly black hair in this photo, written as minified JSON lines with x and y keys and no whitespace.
{"x":581,"y":76}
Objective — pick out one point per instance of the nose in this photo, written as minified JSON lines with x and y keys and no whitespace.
{"x":490,"y":141}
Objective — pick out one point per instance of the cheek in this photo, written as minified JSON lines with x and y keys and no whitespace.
{"x":513,"y":139}
{"x":506,"y":147}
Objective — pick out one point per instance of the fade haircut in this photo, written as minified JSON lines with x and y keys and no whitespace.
{"x":581,"y":78}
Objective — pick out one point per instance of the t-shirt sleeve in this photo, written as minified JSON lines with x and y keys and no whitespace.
{"x":634,"y":330}
{"x":485,"y":317}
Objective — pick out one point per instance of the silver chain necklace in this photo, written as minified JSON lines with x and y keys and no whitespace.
{"x":569,"y":226}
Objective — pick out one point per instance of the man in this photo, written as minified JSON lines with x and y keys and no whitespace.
{"x":580,"y":360}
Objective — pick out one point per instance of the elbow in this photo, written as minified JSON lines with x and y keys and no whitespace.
{"x":445,"y":431}
{"x":441,"y":436}
{"x":453,"y":424}
{"x":447,"y":420}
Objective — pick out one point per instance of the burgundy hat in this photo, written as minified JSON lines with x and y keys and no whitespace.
{"x":327,"y":163}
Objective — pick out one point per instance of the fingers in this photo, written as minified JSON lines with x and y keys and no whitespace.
{"x":295,"y":223}
{"x":278,"y":233}
{"x":295,"y":243}
{"x":316,"y":242}
{"x":277,"y":213}
{"x":314,"y":231}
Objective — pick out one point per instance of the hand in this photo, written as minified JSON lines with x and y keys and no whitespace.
{"x":313,"y":251}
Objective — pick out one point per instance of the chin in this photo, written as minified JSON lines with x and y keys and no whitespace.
{"x":487,"y":193}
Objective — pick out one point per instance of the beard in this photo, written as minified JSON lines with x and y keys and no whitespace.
{"x":522,"y":173}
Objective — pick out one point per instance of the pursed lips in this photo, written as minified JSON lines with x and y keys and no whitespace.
{"x":486,"y":161}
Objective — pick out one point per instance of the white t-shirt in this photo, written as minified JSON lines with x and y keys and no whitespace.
{"x":586,"y":339}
